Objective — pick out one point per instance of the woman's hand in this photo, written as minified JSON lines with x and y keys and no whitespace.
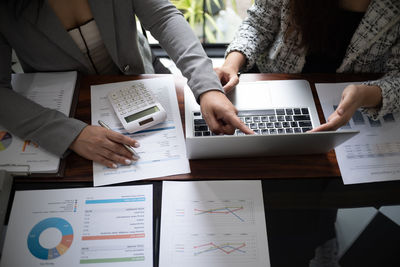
{"x":353,"y":97}
{"x":228,"y":72}
{"x":228,"y":76}
{"x":104,"y":146}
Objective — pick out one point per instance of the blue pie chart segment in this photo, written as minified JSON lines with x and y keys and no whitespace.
{"x":42,"y":253}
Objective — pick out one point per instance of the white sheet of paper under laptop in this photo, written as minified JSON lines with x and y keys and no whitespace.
{"x":162,"y":147}
{"x":280,"y":112}
{"x":374,"y":154}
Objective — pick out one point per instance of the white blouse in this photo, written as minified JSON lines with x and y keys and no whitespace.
{"x":87,"y":38}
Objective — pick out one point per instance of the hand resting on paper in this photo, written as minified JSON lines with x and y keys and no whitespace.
{"x":104,"y":146}
{"x":353,"y":97}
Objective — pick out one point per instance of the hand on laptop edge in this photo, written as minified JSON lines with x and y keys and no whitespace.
{"x":220,"y":114}
{"x":353,"y":97}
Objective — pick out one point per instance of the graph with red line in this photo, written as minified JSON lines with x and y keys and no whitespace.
{"x":222,"y":210}
{"x":215,"y":247}
{"x":216,"y":211}
{"x":226,"y":248}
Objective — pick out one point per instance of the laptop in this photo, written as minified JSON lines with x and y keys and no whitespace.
{"x":280,"y":112}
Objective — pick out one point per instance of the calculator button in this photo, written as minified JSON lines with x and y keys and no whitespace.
{"x":114,"y":96}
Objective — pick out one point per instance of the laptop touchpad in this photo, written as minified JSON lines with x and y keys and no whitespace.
{"x":256,"y":96}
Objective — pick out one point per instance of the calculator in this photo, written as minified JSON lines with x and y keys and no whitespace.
{"x":136,"y":107}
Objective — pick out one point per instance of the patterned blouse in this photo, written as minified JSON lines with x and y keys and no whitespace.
{"x":374,"y":47}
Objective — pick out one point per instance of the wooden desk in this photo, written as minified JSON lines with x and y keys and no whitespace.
{"x":79,"y":169}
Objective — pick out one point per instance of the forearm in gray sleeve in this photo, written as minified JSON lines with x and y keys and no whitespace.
{"x":50,"y":129}
{"x":170,"y":28}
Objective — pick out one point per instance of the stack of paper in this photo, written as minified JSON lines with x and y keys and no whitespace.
{"x":51,"y":90}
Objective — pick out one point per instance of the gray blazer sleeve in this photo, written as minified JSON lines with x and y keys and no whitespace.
{"x":49,"y":128}
{"x":169,"y":27}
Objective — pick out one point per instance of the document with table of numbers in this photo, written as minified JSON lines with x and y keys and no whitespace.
{"x":110,"y":226}
{"x":374,"y":154}
{"x":162,"y":147}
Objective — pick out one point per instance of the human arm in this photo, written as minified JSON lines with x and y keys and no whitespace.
{"x":353,"y":97}
{"x":104,"y":146}
{"x":385,"y":90}
{"x":228,"y":72}
{"x":258,"y":31}
{"x":170,"y":28}
{"x":50,"y":129}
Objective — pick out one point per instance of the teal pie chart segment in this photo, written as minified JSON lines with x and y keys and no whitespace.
{"x":42,"y":253}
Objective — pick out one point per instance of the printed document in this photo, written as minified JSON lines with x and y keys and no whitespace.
{"x":213,"y":223}
{"x":162,"y":147}
{"x":51,"y":90}
{"x":374,"y":154}
{"x":81,"y":227}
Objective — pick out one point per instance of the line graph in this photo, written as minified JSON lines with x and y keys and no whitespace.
{"x":215,"y":212}
{"x":226,"y":248}
{"x":215,"y":247}
{"x":223,"y":210}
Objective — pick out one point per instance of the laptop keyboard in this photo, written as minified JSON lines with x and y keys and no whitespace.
{"x":264,"y":122}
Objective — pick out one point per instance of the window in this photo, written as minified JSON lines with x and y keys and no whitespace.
{"x":213,"y":21}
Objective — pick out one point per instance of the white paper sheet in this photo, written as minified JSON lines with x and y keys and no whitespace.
{"x":110,"y":226}
{"x":374,"y":154}
{"x":51,"y":90}
{"x":162,"y":147}
{"x":213,"y":223}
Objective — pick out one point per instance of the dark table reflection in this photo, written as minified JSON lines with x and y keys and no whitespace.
{"x":324,"y":223}
{"x":314,"y":222}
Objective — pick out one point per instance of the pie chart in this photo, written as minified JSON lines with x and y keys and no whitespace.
{"x":40,"y":252}
{"x":5,"y":140}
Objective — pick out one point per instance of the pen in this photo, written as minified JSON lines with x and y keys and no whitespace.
{"x":130,"y":148}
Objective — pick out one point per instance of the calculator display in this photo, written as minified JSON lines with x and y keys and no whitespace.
{"x":141,"y":114}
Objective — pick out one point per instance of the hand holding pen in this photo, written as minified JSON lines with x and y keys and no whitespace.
{"x":105,"y":146}
{"x":128,"y":147}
